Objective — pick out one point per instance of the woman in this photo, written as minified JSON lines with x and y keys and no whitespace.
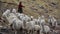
{"x":20,"y":9}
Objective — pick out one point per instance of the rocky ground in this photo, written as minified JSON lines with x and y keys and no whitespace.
{"x":35,"y":8}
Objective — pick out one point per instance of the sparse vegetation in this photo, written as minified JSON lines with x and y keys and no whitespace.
{"x":52,"y":10}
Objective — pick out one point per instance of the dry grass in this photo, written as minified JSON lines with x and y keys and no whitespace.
{"x":45,"y":3}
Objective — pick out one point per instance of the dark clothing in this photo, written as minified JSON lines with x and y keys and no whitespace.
{"x":20,"y":10}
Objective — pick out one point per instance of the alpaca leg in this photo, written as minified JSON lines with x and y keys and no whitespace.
{"x":38,"y":31}
{"x":15,"y":32}
{"x":46,"y":32}
{"x":28,"y":32}
{"x":25,"y":31}
{"x":35,"y":32}
{"x":32,"y":31}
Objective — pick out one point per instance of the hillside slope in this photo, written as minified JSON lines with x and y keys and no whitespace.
{"x":37,"y":7}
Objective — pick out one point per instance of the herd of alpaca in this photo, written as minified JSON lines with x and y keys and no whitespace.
{"x":29,"y":25}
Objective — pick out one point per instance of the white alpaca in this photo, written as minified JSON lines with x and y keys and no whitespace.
{"x":41,"y":20}
{"x":36,"y":21}
{"x":37,"y":29}
{"x":52,"y":20}
{"x":6,"y":13}
{"x":26,"y":18}
{"x":14,"y":11}
{"x":31,"y":18}
{"x":17,"y":25}
{"x":11,"y":17}
{"x":20,"y":16}
{"x":46,"y":29}
{"x":30,"y":26}
{"x":23,"y":17}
